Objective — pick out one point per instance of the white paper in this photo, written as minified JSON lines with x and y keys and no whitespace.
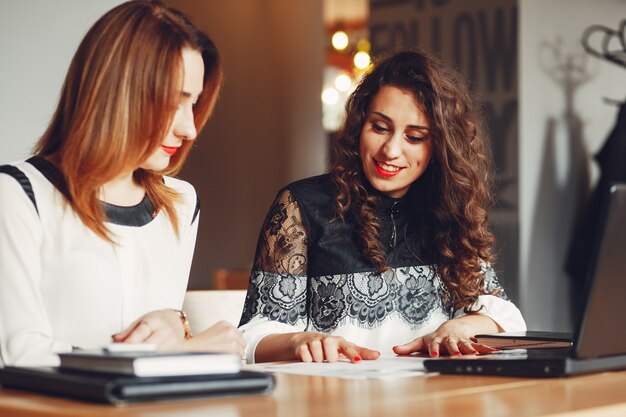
{"x":385,"y":367}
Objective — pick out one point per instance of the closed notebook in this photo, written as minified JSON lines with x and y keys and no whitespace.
{"x":526,"y":340}
{"x":120,"y":389}
{"x":146,"y":364}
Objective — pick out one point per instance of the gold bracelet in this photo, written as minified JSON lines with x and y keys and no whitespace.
{"x":185,"y":322}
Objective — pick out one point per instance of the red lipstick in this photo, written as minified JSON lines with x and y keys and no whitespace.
{"x":384,"y":173}
{"x":170,"y":150}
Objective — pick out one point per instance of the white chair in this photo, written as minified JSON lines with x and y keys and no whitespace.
{"x":207,"y":307}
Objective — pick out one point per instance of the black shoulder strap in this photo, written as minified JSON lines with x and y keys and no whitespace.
{"x":197,"y":209}
{"x":22,"y":179}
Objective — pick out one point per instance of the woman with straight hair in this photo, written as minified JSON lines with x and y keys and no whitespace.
{"x":390,"y":252}
{"x":96,"y":235}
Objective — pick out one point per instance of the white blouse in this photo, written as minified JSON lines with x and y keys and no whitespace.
{"x":309,"y":275}
{"x":381,"y":333}
{"x":62,"y":286}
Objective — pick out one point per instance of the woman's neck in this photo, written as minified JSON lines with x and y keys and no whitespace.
{"x":122,"y":191}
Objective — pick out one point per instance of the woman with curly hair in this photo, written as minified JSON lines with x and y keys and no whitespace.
{"x":390,"y":250}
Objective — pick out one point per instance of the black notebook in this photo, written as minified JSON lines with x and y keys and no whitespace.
{"x":600,"y":342}
{"x":120,"y":389}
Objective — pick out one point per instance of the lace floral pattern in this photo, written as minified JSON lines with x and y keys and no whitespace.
{"x":492,"y":284}
{"x":364,"y":299}
{"x":283,"y":242}
{"x":279,"y":298}
{"x":281,"y":291}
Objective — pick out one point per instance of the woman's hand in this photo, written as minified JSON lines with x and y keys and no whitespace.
{"x":318,"y":347}
{"x":221,"y":337}
{"x":161,"y":327}
{"x":453,"y":337}
{"x":165,"y":329}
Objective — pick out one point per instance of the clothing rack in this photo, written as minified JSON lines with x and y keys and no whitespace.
{"x":612,"y":46}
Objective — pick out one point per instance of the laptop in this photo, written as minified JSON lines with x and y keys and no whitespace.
{"x":599,"y":340}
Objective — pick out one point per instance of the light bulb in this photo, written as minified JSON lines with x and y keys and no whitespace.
{"x":340,"y":40}
{"x":363,"y":45}
{"x":330,"y":96}
{"x":343,"y":82}
{"x":362,"y":60}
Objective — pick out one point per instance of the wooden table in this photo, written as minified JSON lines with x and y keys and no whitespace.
{"x":601,"y":395}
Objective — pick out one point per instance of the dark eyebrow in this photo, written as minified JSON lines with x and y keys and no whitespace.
{"x":387,"y":118}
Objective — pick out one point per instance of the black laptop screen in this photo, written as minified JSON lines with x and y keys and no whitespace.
{"x":601,"y":331}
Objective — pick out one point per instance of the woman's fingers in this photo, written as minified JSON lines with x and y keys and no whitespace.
{"x":356,"y":353}
{"x":165,"y":324}
{"x":350,"y":351}
{"x":452,"y":346}
{"x":303,"y":353}
{"x":315,"y":347}
{"x":433,"y":348}
{"x":161,"y":339}
{"x":467,"y":347}
{"x":368,"y":354}
{"x":220,"y":337}
{"x":331,"y":349}
{"x":137,"y":332}
{"x":458,"y":347}
{"x":437,"y":345}
{"x":121,"y":336}
{"x":417,"y":345}
{"x":317,"y":352}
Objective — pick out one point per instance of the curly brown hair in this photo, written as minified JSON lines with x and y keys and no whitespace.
{"x":457,"y":181}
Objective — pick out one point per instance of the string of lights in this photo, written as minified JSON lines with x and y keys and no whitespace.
{"x":347,"y":58}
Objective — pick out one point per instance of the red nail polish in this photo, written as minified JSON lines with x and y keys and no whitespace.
{"x":459,"y":354}
{"x":357,"y":359}
{"x":434,"y":354}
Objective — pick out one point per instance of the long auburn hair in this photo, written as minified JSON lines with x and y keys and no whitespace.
{"x":456,"y":183}
{"x":118,"y":102}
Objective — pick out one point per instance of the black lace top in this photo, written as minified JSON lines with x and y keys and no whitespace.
{"x":308,"y":273}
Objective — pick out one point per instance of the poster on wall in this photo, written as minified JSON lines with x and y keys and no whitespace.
{"x":479,"y":38}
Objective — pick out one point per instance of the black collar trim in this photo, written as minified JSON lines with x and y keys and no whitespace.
{"x":136,"y":216}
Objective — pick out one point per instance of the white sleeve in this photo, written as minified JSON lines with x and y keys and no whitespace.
{"x":188,"y":212}
{"x":189,"y":245}
{"x":275,"y":303}
{"x":259,"y":327}
{"x":502,"y":311}
{"x":495,"y":304}
{"x":25,"y":331}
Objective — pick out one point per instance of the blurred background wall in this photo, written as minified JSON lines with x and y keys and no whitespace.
{"x":545,"y":98}
{"x":564,"y":120}
{"x":267,"y":127}
{"x":38,"y":39}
